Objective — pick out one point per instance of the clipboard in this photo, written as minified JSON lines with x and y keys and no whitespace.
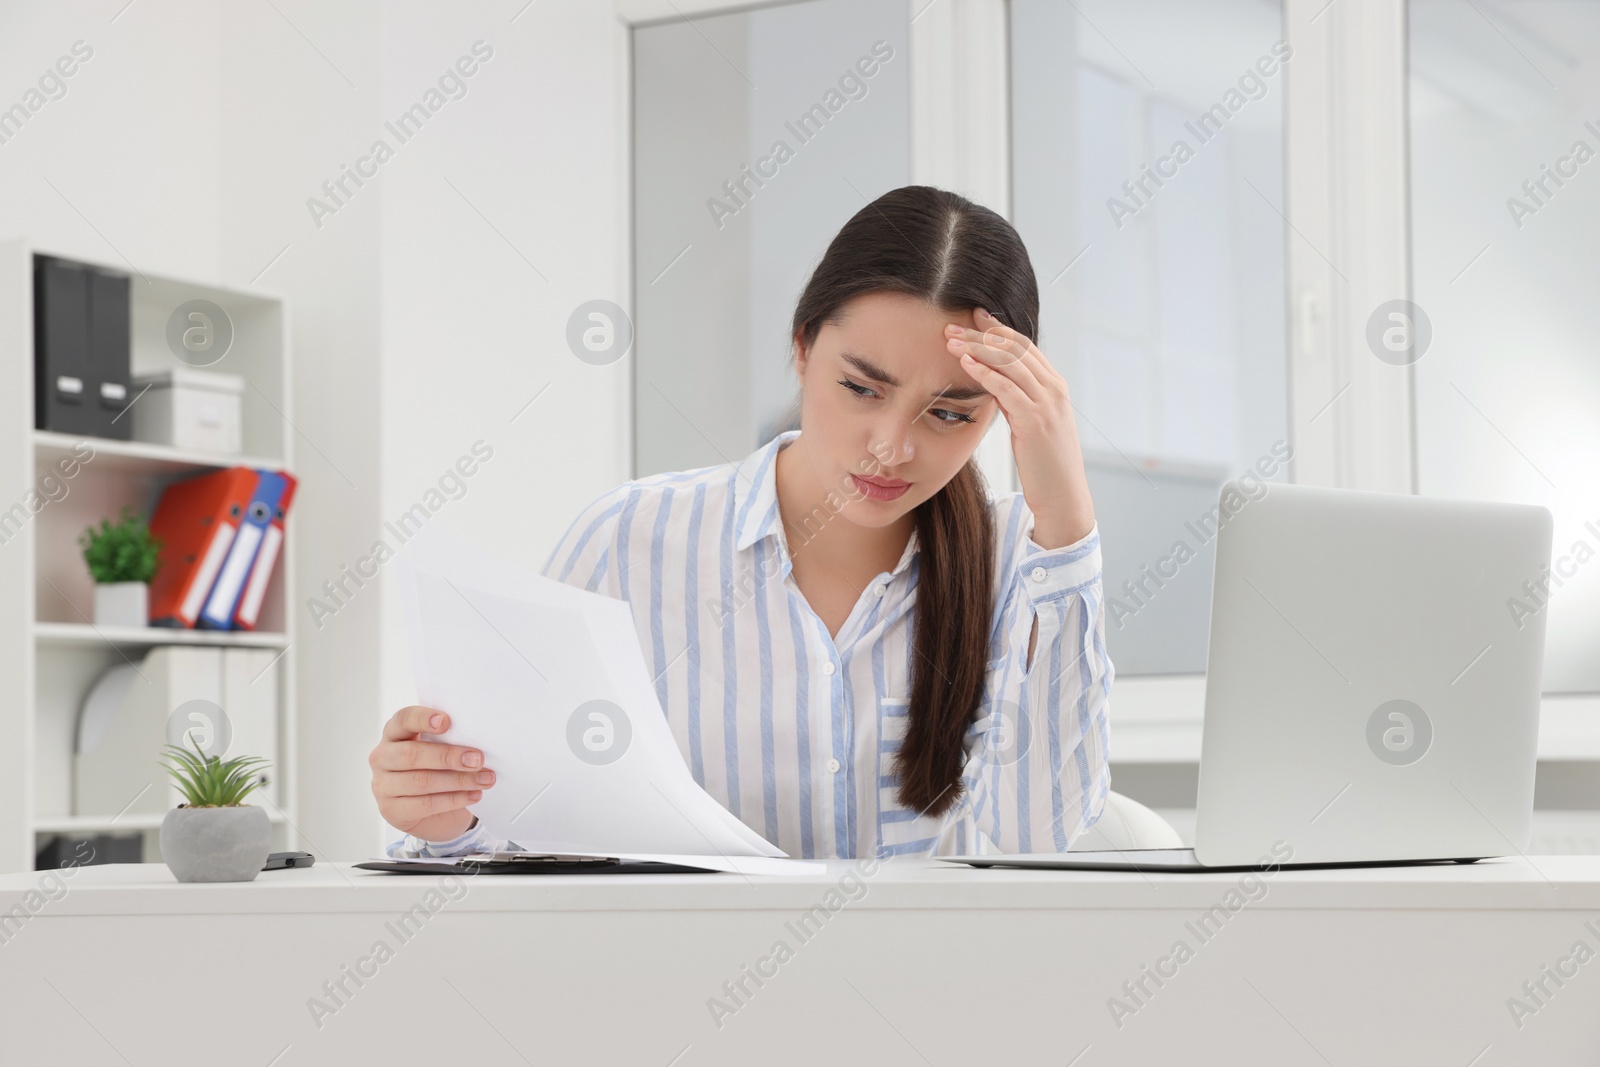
{"x":475,"y":863}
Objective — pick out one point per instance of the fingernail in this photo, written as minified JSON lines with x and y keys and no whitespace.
{"x":436,"y":722}
{"x":476,"y":794}
{"x":485,"y":777}
{"x":473,"y":759}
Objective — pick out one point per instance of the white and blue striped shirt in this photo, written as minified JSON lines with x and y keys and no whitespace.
{"x":795,"y":731}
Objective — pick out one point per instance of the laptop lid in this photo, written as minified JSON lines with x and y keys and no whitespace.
{"x":1371,"y":693}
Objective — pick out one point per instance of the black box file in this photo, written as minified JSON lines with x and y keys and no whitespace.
{"x":82,"y":354}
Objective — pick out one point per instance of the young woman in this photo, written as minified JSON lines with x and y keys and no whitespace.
{"x":858,"y":650}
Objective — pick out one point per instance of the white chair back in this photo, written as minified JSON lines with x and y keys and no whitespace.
{"x":1124,"y":824}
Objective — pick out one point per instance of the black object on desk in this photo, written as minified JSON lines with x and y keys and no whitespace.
{"x":277,"y":861}
{"x":533,"y":863}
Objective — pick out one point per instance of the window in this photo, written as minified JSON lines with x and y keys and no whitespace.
{"x":1505,"y":207}
{"x":1147,"y":178}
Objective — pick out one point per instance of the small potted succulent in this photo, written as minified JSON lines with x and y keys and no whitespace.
{"x":212,"y":837}
{"x":122,"y":559}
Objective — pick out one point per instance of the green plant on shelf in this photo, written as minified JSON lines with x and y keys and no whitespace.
{"x":124,"y":552}
{"x":209,"y":781}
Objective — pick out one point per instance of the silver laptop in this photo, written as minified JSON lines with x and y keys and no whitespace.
{"x":1372,"y":684}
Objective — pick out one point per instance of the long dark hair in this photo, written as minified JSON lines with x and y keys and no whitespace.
{"x":957,"y":255}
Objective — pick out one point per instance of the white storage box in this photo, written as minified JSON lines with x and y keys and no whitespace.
{"x":189,"y":408}
{"x":125,"y":722}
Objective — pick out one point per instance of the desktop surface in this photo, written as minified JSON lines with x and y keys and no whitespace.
{"x":1563,"y":881}
{"x":334,"y":965}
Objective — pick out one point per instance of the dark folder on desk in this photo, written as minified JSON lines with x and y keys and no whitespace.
{"x":533,"y":863}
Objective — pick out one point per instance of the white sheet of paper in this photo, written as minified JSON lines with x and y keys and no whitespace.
{"x":611,"y":624}
{"x":512,"y":656}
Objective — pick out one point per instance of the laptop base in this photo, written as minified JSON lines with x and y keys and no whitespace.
{"x":1175,"y":860}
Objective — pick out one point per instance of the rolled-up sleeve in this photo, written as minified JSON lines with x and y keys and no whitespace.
{"x":1037,"y":771}
{"x":472,"y":839}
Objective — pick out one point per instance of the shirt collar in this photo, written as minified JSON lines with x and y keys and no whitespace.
{"x":755,"y":492}
{"x":755,"y":501}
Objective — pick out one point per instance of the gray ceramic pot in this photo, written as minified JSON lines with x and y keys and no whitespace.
{"x":228,"y":844}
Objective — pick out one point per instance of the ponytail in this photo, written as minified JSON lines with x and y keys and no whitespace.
{"x":950,"y":639}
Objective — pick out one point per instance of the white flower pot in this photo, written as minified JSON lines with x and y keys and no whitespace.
{"x":122,"y":604}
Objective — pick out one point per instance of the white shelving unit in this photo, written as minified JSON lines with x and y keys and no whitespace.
{"x":51,"y":651}
{"x":70,"y":634}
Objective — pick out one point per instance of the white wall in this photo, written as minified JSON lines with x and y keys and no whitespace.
{"x":130,"y":148}
{"x":190,"y":143}
{"x":289,"y":118}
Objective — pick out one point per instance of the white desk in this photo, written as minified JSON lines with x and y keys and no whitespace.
{"x":929,"y":964}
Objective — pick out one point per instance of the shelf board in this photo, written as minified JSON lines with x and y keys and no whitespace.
{"x":67,"y":634}
{"x":138,"y":457}
{"x":77,"y":824}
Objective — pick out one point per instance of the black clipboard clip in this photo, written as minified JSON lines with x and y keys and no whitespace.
{"x":545,"y":861}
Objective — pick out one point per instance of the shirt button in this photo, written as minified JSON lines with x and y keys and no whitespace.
{"x":828,"y":667}
{"x":1040,"y":574}
{"x":880,"y":589}
{"x":833,"y":765}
